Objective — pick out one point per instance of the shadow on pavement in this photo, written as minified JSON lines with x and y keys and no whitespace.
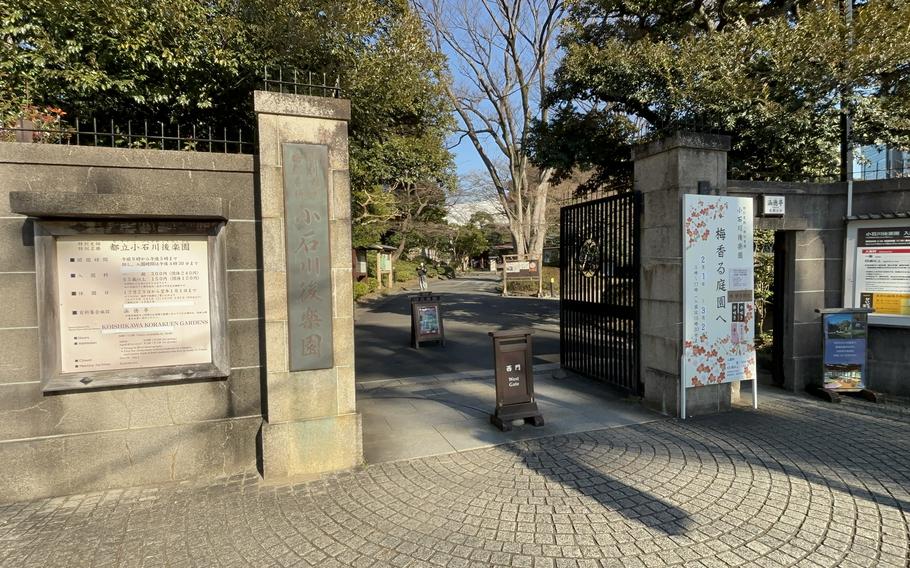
{"x":808,"y":452}
{"x":561,"y":464}
{"x":383,"y":330}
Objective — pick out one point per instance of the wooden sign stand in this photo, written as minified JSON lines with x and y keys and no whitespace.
{"x":426,"y":320}
{"x":513,"y":361}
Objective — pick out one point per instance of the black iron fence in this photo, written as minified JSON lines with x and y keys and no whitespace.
{"x":599,"y":289}
{"x":51,"y":128}
{"x":142,"y":134}
{"x":300,"y":82}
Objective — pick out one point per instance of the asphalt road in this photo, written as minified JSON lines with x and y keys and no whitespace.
{"x":471,"y":308}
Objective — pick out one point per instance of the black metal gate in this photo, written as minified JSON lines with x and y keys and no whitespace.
{"x":598,"y":293}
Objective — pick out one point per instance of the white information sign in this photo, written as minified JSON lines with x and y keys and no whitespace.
{"x":718,"y":295}
{"x":131,"y":301}
{"x":774,"y":205}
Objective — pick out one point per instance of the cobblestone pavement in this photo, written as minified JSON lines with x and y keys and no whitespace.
{"x":795,"y":484}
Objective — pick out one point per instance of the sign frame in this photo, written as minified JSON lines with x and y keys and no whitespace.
{"x":830,"y":344}
{"x":420,"y":303}
{"x":734,"y":293}
{"x":851,"y":260}
{"x":53,"y":379}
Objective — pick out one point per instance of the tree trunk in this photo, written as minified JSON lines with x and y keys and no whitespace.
{"x":538,"y":219}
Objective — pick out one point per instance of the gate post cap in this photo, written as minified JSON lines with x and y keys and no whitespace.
{"x":511,"y":333}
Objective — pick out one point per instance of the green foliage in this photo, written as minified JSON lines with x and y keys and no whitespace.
{"x":495,"y":232}
{"x":119,"y":57}
{"x":768,"y":71}
{"x":763,"y":245}
{"x":405,"y":270}
{"x":192,"y":62}
{"x":530,"y":286}
{"x":364,"y":287}
{"x":470,"y":241}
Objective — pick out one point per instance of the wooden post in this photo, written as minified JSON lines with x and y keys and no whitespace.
{"x":378,"y":271}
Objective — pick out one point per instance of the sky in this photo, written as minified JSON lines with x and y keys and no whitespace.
{"x":466,"y":158}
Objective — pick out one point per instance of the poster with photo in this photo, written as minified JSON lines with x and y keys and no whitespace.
{"x":845,"y":351}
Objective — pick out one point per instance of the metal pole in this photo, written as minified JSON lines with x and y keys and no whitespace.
{"x":846,"y":122}
{"x":755,"y":392}
{"x":505,"y":290}
{"x":682,"y":391}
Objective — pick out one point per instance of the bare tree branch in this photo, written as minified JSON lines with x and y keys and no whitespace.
{"x":500,"y":53}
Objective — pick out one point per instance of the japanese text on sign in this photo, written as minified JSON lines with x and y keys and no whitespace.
{"x":718,"y":291}
{"x":883,"y":270}
{"x":129,"y":301}
{"x":309,"y":274}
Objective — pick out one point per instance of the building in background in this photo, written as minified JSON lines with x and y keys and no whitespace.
{"x":880,"y":162}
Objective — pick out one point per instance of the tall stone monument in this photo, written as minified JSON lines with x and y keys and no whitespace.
{"x":309,"y":420}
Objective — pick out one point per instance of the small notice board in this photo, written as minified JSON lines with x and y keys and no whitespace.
{"x":513,"y":359}
{"x":845,"y":333}
{"x":877,"y":269}
{"x":520,"y":267}
{"x":426,"y":320}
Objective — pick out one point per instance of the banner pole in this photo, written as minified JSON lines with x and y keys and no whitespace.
{"x":755,"y":392}
{"x":682,"y":387}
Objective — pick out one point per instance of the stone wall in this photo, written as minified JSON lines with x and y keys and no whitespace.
{"x":54,"y":444}
{"x":816,"y":233}
{"x":814,"y":238}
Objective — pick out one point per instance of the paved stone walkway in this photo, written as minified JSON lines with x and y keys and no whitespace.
{"x":795,"y":484}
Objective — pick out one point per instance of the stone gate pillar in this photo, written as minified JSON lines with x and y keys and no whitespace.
{"x":665,"y":170}
{"x":309,"y":420}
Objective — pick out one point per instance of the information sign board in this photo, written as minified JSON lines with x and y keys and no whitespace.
{"x":773,"y":205}
{"x":517,"y":269}
{"x":428,"y":320}
{"x":512,"y":358}
{"x":385,"y":262}
{"x":883,"y":270}
{"x":718,"y":295}
{"x":133,"y":301}
{"x":130,"y":302}
{"x":309,"y":260}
